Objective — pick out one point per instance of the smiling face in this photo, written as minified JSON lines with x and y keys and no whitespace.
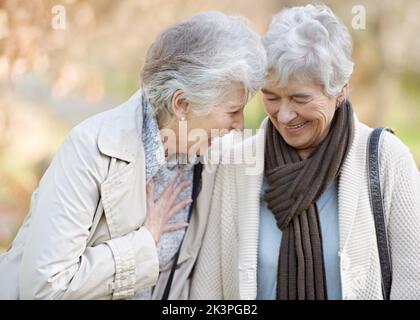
{"x":226,"y":116}
{"x":301,"y":113}
{"x":194,"y":135}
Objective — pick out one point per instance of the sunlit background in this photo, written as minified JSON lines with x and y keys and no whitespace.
{"x":57,"y":70}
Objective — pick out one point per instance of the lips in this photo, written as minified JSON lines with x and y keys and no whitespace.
{"x":296,"y":126}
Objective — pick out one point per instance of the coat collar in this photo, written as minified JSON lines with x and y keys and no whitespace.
{"x":120,"y":134}
{"x":248,"y":211}
{"x":194,"y":235}
{"x":352,"y":176}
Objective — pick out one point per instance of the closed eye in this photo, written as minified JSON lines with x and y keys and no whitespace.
{"x":270,"y":97}
{"x":302,"y":99}
{"x":236,"y":111}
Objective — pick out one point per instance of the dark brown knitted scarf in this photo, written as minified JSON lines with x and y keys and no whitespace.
{"x":294,"y":187}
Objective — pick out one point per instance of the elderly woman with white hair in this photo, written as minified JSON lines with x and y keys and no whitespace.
{"x":119,"y":213}
{"x":307,"y":224}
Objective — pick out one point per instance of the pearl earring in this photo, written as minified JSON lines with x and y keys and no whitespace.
{"x":182,"y":118}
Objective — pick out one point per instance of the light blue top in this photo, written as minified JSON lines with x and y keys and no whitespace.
{"x":269,"y":246}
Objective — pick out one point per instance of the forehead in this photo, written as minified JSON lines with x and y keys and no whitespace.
{"x":293,"y":86}
{"x":235,"y":96}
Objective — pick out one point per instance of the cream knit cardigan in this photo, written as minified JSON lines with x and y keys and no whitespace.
{"x":227,"y":264}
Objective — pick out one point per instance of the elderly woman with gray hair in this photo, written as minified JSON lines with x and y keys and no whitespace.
{"x":306,"y":225}
{"x":117,"y":212}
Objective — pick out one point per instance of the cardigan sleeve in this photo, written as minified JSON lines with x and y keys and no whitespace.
{"x":401,"y":181}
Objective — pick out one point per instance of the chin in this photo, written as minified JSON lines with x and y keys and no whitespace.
{"x":297,"y":142}
{"x":295,"y":145}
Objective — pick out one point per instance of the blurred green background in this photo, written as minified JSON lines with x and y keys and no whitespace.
{"x":52,"y":78}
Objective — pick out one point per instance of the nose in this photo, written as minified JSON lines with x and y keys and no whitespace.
{"x":286,"y":113}
{"x":239,"y":122}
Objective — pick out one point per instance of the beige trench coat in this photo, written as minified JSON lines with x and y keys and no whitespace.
{"x":83,"y":236}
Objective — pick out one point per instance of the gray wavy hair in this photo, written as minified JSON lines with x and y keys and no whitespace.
{"x":310,"y":44}
{"x":203,"y":56}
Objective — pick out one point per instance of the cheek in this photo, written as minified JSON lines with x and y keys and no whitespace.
{"x":224,"y":121}
{"x":322,"y":115}
{"x":270,"y":107}
{"x":217,"y":122}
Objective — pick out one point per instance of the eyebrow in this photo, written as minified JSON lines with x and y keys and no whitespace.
{"x":301,"y":95}
{"x":295,"y":95}
{"x":235,"y":106}
{"x":267,"y":91}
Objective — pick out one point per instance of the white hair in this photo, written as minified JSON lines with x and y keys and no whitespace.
{"x":203,"y":57}
{"x":309,"y":44}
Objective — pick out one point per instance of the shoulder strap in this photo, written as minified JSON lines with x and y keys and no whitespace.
{"x":378,"y":211}
{"x":195,"y":191}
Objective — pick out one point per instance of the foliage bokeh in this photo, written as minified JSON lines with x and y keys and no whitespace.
{"x":51,"y":79}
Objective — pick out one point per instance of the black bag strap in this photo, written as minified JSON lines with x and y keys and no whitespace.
{"x":198,"y":168}
{"x":378,"y":211}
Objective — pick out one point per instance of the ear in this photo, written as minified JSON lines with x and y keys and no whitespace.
{"x":180,"y":106}
{"x":344,"y":92}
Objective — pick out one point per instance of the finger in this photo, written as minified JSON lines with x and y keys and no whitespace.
{"x":178,"y":207}
{"x":174,"y":227}
{"x":150,"y":187}
{"x":175,"y":193}
{"x":169,"y":189}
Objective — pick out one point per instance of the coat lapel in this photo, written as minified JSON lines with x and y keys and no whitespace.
{"x":195,"y":231}
{"x":124,"y":190}
{"x":349,"y":185}
{"x":249,"y":213}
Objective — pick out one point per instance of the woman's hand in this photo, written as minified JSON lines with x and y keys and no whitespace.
{"x":161,"y":211}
